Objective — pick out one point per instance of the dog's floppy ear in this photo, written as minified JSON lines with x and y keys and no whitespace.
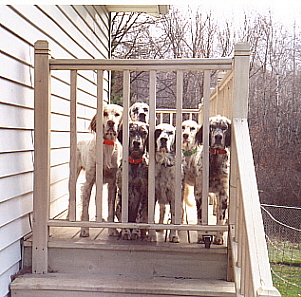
{"x":92,"y":126}
{"x":228,"y":135}
{"x":174,"y":145}
{"x":199,"y":135}
{"x":147,"y":139}
{"x":157,"y":134}
{"x":120,"y":133}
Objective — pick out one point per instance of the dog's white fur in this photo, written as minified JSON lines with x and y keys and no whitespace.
{"x":165,"y":171}
{"x":86,"y":160}
{"x":139,"y":112}
{"x":219,"y":141}
{"x":193,"y":169}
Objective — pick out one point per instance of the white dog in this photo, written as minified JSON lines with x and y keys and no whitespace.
{"x":86,"y":160}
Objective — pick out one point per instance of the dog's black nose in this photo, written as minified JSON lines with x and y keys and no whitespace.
{"x":185,"y":136}
{"x":110,"y":123}
{"x":163,"y":142}
{"x":136,"y":144}
{"x":142,"y":117}
{"x":218,"y":138}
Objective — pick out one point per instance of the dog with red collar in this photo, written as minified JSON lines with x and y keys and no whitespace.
{"x":219,"y":161}
{"x":137,"y":181}
{"x":112,"y":153}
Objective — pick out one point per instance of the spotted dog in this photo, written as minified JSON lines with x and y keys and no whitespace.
{"x":137,"y":180}
{"x":192,"y":149}
{"x":219,"y":157}
{"x":139,"y":111}
{"x":165,"y":172}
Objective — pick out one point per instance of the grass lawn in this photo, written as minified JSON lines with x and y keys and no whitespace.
{"x":285,"y":259}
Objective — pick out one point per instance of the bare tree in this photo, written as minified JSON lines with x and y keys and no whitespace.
{"x":275,"y":72}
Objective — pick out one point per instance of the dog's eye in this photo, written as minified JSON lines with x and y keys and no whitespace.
{"x":183,"y":127}
{"x":192,"y":128}
{"x":145,"y":109}
{"x":135,"y":110}
{"x":117,"y":114}
{"x":105,"y":114}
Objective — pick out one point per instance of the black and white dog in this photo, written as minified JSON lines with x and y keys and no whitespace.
{"x":219,"y":161}
{"x":137,"y":181}
{"x":165,"y":171}
{"x":139,"y":111}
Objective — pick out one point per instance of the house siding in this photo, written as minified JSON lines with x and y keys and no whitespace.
{"x":72,"y":32}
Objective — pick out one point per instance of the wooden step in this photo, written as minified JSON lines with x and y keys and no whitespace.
{"x":85,"y":285}
{"x":135,"y":258}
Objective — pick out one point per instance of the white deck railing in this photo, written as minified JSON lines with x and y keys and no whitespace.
{"x":230,"y":98}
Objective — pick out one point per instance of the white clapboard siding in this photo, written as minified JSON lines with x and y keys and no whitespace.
{"x":9,"y":264}
{"x":58,"y":190}
{"x":65,"y":24}
{"x":58,"y":171}
{"x":59,"y":156}
{"x":19,"y":117}
{"x":73,"y":32}
{"x":21,"y":48}
{"x":14,"y":144}
{"x":14,"y":208}
{"x":15,"y":163}
{"x":11,"y":255}
{"x":16,"y":93}
{"x":15,"y":185}
{"x":5,"y":278}
{"x":15,"y":70}
{"x":60,"y":139}
{"x":53,"y":29}
{"x":9,"y":233}
{"x":60,"y":86}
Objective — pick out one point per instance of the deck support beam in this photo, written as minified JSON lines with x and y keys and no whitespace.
{"x":41,"y":194}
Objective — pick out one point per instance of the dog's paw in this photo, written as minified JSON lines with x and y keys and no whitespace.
{"x":126,"y":234}
{"x":200,"y":239}
{"x":152,"y":235}
{"x":113,"y":232}
{"x":174,"y":236}
{"x":218,"y":239}
{"x":84,"y":232}
{"x":136,"y":234}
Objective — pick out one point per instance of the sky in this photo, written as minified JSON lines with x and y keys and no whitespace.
{"x":286,"y":11}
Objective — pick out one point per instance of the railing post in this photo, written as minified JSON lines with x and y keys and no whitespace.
{"x":206,"y":110}
{"x":73,"y":146}
{"x":41,"y":192}
{"x":241,"y":80}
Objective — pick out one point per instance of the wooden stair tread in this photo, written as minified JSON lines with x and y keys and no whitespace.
{"x":124,"y":285}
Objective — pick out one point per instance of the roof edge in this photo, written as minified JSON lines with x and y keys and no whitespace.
{"x":154,"y":10}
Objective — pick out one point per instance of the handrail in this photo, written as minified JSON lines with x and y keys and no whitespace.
{"x":250,"y":256}
{"x":141,"y":64}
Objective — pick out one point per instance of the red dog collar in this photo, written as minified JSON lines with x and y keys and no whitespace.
{"x":108,"y":142}
{"x":134,"y":161}
{"x":217,"y":151}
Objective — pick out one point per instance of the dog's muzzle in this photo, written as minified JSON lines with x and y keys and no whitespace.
{"x":142,"y":117}
{"x":185,"y":138}
{"x":136,"y":145}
